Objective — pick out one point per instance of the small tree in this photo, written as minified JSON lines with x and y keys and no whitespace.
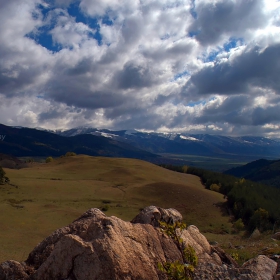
{"x":215,"y":188}
{"x":3,"y":179}
{"x":238,"y":225}
{"x":260,"y":220}
{"x":49,"y":159}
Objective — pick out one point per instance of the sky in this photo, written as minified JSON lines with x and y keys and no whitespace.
{"x":184,"y":66}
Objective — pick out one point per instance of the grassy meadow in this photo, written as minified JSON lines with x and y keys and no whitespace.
{"x":44,"y":197}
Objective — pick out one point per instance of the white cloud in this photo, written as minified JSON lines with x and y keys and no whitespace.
{"x":70,"y":33}
{"x":153,"y":65}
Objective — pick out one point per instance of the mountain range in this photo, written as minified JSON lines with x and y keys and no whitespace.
{"x":21,"y":141}
{"x":191,"y":144}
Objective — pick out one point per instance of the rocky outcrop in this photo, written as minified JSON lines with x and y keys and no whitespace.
{"x":152,"y":215}
{"x":99,"y":247}
{"x":262,"y":266}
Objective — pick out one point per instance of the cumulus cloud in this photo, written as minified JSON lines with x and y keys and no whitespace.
{"x":219,"y":20}
{"x":180,"y":66}
{"x":253,"y":67}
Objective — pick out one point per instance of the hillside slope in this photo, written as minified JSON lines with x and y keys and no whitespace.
{"x":44,"y":197}
{"x":263,"y":171}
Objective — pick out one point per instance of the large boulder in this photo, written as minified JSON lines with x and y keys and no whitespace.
{"x":264,"y":267}
{"x":152,"y":215}
{"x":99,"y":247}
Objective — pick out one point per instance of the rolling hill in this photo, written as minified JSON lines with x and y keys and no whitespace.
{"x":44,"y":197}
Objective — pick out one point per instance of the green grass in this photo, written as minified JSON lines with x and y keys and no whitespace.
{"x":52,"y":195}
{"x":44,"y":197}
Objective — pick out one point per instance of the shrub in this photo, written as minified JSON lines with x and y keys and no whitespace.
{"x":70,"y":154}
{"x":177,"y":270}
{"x":238,"y":225}
{"x":235,"y":256}
{"x":215,"y":188}
{"x":105,"y":208}
{"x":105,"y":201}
{"x":260,"y":220}
{"x":49,"y":159}
{"x":3,"y":178}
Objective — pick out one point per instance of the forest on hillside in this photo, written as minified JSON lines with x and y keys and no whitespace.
{"x":255,"y":204}
{"x":263,"y":171}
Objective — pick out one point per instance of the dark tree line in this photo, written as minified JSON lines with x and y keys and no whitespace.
{"x":256,"y":204}
{"x":3,"y":179}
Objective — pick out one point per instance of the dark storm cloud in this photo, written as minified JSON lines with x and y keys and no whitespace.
{"x":75,"y":94}
{"x":177,"y":49}
{"x":230,"y":111}
{"x":216,"y":19}
{"x":134,"y":76}
{"x":51,"y":114}
{"x":267,"y":115}
{"x":142,"y":119}
{"x":17,"y":80}
{"x":253,"y":68}
{"x":82,"y":67}
{"x":124,"y":111}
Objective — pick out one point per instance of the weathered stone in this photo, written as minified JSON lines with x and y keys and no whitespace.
{"x":12,"y":270}
{"x":276,"y":258}
{"x":152,"y":215}
{"x":263,"y":266}
{"x":99,"y":247}
{"x":276,"y":236}
{"x":225,"y":258}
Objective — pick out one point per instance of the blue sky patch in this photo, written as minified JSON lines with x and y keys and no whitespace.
{"x":193,"y":33}
{"x":44,"y":10}
{"x":195,"y":103}
{"x":41,"y":35}
{"x":203,"y":102}
{"x":192,"y":10}
{"x":180,"y":75}
{"x":75,"y":11}
{"x":233,"y":43}
{"x":106,"y":20}
{"x":43,"y":38}
{"x":212,"y":56}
